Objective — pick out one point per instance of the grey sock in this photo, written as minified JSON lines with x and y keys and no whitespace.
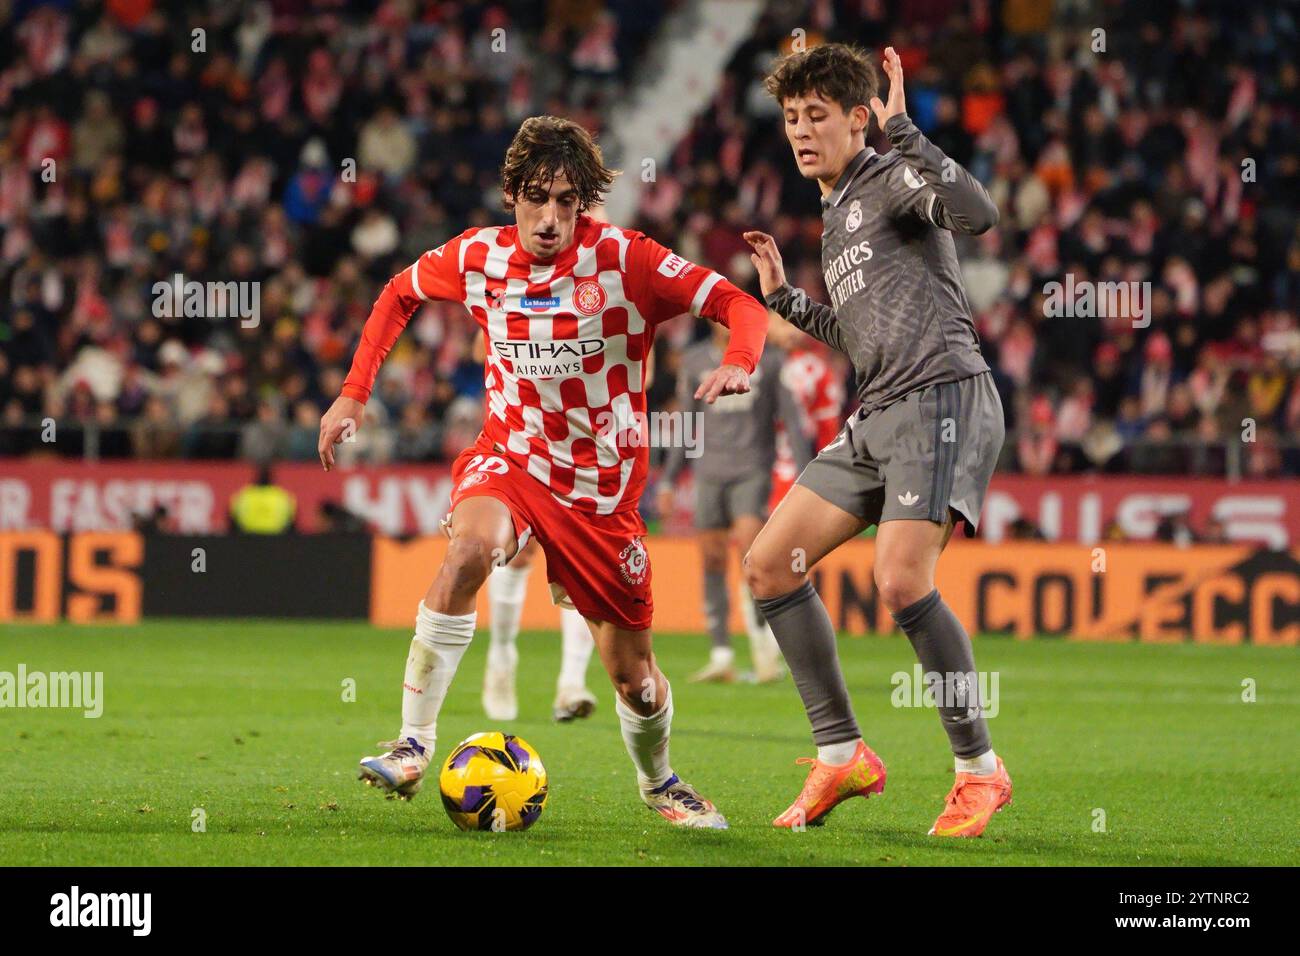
{"x":803,"y":630}
{"x":944,"y":650}
{"x":717,"y":607}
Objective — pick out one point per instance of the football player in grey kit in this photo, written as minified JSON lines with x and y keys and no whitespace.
{"x":733,"y":482}
{"x":919,"y":452}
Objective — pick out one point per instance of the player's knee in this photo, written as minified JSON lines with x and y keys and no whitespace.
{"x":633,"y":695}
{"x":643,"y":696}
{"x":469,"y":561}
{"x":633,"y":677}
{"x":634,"y":684}
{"x":901,"y":587}
{"x":768,"y":576}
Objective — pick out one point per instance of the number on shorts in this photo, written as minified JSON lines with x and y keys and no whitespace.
{"x":492,"y":463}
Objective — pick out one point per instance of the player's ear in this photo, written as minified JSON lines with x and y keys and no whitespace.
{"x":859,"y":119}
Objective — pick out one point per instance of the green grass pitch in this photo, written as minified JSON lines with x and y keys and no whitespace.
{"x":247,"y":721}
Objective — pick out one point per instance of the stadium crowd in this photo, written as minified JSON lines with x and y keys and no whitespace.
{"x":316,"y":148}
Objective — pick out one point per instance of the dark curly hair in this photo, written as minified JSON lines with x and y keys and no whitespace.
{"x":546,"y":146}
{"x":839,"y":72}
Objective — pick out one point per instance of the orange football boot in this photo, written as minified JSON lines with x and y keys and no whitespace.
{"x":831,"y":784}
{"x":972,"y":801}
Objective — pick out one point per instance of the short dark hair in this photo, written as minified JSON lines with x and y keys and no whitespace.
{"x":840,"y":72}
{"x":546,"y":146}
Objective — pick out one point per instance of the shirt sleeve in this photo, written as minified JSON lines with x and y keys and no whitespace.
{"x":800,"y":310}
{"x":665,"y":285}
{"x":929,"y":186}
{"x":435,"y":275}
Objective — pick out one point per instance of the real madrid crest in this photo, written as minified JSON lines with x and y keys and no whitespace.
{"x":855,"y":216}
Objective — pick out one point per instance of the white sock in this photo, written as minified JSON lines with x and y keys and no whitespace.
{"x":762,"y":642}
{"x":722,"y":656}
{"x":838,"y":754}
{"x":985,"y":763}
{"x":439,"y":644}
{"x":647,"y":741}
{"x":507,"y":586}
{"x":578,"y":645}
{"x":749,"y":613}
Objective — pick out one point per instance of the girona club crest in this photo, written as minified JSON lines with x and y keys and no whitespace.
{"x":588,"y":297}
{"x":634,"y":562}
{"x":477,"y":478}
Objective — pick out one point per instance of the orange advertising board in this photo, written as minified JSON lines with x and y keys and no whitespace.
{"x":88,"y":577}
{"x":1148,"y":592}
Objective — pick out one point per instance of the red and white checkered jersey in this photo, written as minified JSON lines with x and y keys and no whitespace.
{"x":567,"y":341}
{"x":819,"y":392}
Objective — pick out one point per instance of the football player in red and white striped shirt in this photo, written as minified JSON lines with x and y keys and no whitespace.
{"x":569,"y":307}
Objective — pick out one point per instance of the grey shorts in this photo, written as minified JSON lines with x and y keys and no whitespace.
{"x":933,"y":449}
{"x":719,"y":503}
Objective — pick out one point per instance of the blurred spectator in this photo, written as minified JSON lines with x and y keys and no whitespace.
{"x":317,"y":154}
{"x":1038,"y":445}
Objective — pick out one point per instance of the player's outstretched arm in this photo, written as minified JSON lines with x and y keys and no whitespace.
{"x":793,"y":305}
{"x":954,"y":199}
{"x":746,"y":317}
{"x":666,"y":285}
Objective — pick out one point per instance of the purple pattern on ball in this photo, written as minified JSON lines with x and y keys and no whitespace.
{"x":462,"y":759}
{"x":473,"y":798}
{"x":518,"y":752}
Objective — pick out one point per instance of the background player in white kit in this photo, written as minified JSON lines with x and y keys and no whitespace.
{"x":507,"y":587}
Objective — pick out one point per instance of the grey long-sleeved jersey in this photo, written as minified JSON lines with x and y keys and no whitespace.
{"x":738,"y":432}
{"x":898,"y":309}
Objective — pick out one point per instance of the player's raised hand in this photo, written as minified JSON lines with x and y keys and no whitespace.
{"x":894,"y":71}
{"x":767,"y":260}
{"x":338,"y":424}
{"x":723,"y":380}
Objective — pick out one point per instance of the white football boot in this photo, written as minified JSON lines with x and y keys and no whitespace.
{"x":721,"y":668}
{"x":400,"y":771}
{"x":572,"y":703}
{"x":499,"y":700}
{"x":682,"y":805}
{"x":768,"y":669}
